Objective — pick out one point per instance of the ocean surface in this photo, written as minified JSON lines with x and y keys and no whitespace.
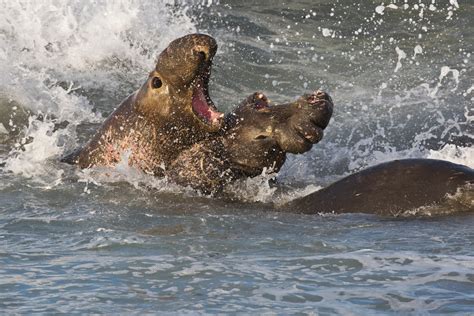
{"x":119,"y":242}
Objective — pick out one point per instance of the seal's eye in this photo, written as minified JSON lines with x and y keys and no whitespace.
{"x":156,"y":83}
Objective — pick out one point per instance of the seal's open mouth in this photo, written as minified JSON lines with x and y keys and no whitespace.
{"x":202,"y":105}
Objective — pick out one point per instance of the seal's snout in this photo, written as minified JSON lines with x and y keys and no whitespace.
{"x":322,"y":103}
{"x":186,"y":57}
{"x":204,"y":46}
{"x":323,"y":95}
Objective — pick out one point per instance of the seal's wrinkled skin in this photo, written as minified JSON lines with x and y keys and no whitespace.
{"x":259,"y":135}
{"x":170,"y":127}
{"x":256,"y":137}
{"x":169,"y":113}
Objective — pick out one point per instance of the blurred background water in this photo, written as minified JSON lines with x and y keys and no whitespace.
{"x":101,"y":241}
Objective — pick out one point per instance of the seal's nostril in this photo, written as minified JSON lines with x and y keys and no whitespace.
{"x":323,"y":95}
{"x":320,"y":94}
{"x":201,"y":54}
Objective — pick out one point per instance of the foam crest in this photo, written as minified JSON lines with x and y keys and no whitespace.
{"x":78,"y":34}
{"x":31,"y":159}
{"x":453,"y":153}
{"x":60,"y":61}
{"x":123,"y":172}
{"x":257,"y":189}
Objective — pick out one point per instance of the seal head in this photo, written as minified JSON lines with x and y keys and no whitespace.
{"x":182,"y":71}
{"x":169,"y":113}
{"x":256,"y":137}
{"x":260,"y":134}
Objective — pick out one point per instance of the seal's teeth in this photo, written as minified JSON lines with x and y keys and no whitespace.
{"x":217,"y":119}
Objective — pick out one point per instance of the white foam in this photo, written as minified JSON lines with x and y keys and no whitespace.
{"x":257,"y":189}
{"x":46,"y":43}
{"x":77,"y":35}
{"x":401,"y":55}
{"x":380,"y":9}
{"x":327,"y":32}
{"x":417,"y":50}
{"x":455,"y":154}
{"x":31,"y":159}
{"x":445,"y":70}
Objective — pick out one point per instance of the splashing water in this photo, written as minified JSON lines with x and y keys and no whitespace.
{"x":62,"y":60}
{"x":117,"y":241}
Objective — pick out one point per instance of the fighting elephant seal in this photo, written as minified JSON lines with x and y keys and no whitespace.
{"x":170,"y":127}
{"x":171,"y":111}
{"x":247,"y":146}
{"x":256,"y":136}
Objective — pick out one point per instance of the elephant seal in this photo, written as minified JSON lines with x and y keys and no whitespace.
{"x":256,"y":136}
{"x":396,"y":188}
{"x":171,"y":111}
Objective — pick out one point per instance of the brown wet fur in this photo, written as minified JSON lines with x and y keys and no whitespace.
{"x":255,"y":137}
{"x":153,"y":125}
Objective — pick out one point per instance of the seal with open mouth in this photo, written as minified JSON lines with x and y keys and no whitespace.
{"x":170,"y":112}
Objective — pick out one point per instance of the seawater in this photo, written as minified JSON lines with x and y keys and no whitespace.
{"x":116,"y":241}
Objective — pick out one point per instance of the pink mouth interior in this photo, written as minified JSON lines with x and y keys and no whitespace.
{"x":202,"y":107}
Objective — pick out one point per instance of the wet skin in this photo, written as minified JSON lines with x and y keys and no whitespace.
{"x":170,"y":127}
{"x":170,"y":112}
{"x":396,"y":188}
{"x":256,"y":137}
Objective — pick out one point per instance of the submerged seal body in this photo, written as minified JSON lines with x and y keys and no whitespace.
{"x":256,"y":136}
{"x":396,"y":188}
{"x":171,"y":111}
